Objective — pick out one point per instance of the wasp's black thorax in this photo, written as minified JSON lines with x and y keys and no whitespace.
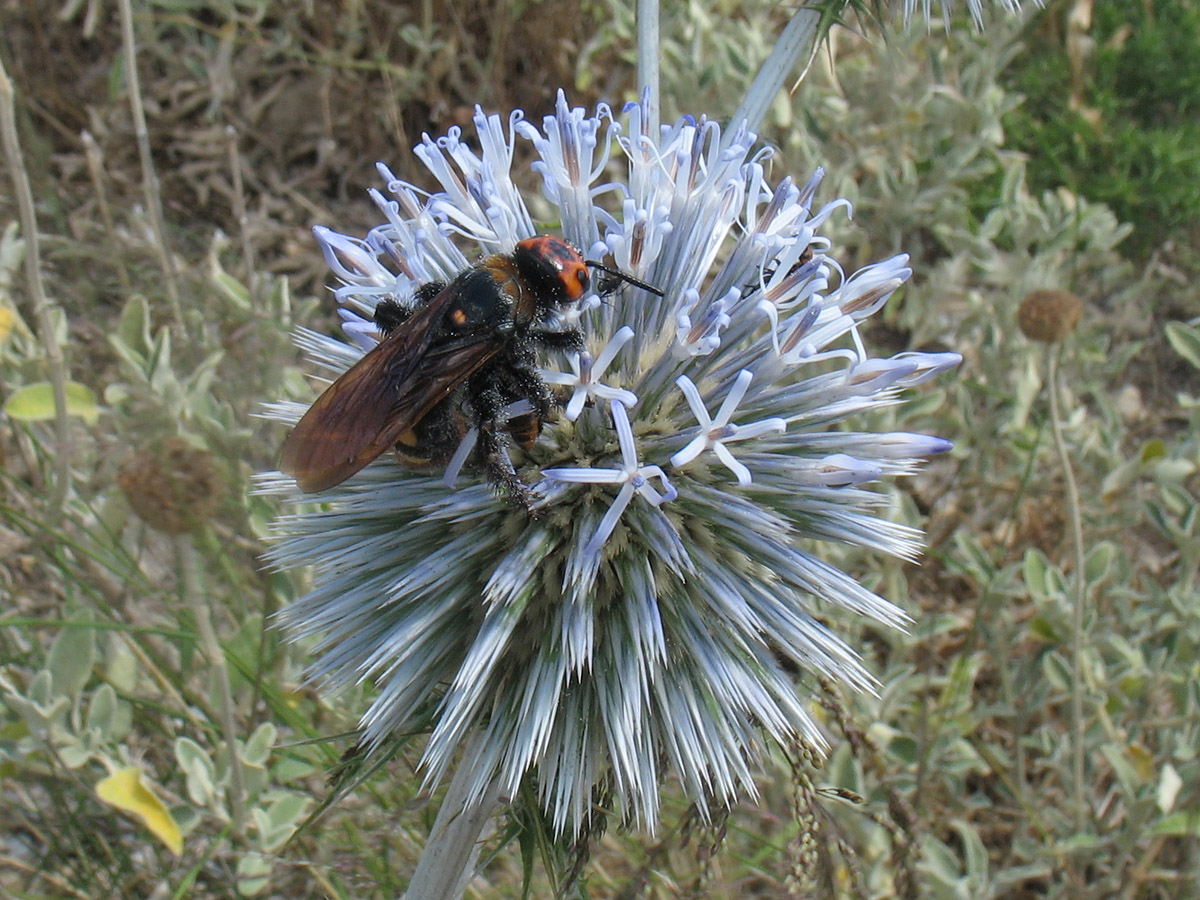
{"x":482,"y":305}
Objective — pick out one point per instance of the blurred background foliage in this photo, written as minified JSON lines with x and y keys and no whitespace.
{"x":157,"y":738}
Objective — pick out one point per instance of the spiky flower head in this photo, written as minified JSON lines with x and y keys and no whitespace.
{"x":947,"y":8}
{"x":646,"y":619}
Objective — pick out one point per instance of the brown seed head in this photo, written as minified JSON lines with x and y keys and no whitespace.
{"x":172,"y":486}
{"x":1049,"y":315}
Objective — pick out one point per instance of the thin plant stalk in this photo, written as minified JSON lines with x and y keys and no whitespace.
{"x":189,"y":570}
{"x":1080,"y":591}
{"x":797,"y":41}
{"x":42,"y":307}
{"x":149,"y":178}
{"x":239,"y":209}
{"x":647,"y":58}
{"x":95,"y":164}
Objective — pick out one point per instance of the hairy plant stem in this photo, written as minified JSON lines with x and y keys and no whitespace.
{"x":42,"y":307}
{"x":447,"y":864}
{"x":647,"y":58}
{"x":1080,"y":591}
{"x":798,"y":40}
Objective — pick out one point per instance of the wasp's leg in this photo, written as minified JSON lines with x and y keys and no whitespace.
{"x":526,"y":384}
{"x":489,"y":396}
{"x":391,"y":314}
{"x":492,"y":455}
{"x":515,"y":379}
{"x":570,"y":341}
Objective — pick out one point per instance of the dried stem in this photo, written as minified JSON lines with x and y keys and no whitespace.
{"x":239,"y":210}
{"x":95,"y":164}
{"x":42,"y":307}
{"x":149,"y":179}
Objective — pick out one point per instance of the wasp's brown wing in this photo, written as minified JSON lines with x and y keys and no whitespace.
{"x":382,"y":396}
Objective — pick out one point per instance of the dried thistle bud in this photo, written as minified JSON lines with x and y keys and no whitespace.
{"x":1049,"y":315}
{"x":172,"y":486}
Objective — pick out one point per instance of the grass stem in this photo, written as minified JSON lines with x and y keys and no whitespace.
{"x":189,"y":570}
{"x":95,"y":164}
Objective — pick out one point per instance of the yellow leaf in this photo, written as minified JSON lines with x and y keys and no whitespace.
{"x":35,"y":402}
{"x":6,"y":323}
{"x":124,"y":790}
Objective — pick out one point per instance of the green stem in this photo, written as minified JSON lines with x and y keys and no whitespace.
{"x":1080,"y":598}
{"x":189,"y":571}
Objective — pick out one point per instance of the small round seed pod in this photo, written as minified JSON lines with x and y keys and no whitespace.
{"x":1049,"y":315}
{"x":172,"y":486}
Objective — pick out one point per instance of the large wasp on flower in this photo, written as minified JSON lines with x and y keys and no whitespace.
{"x":457,"y":359}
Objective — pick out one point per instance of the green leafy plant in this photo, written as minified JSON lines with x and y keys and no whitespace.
{"x":1125,"y":131}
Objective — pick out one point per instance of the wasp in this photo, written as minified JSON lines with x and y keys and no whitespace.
{"x":459,"y":358}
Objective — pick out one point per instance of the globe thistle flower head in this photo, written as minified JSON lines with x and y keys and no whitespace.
{"x":975,"y":7}
{"x":643,"y":620}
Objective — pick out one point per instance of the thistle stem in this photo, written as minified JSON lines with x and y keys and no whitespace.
{"x":447,"y":865}
{"x":647,"y":58}
{"x":798,"y":40}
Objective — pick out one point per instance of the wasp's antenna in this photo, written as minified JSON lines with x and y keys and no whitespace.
{"x":612,"y":278}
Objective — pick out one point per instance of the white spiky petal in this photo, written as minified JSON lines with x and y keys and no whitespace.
{"x":645,"y":621}
{"x":947,"y":7}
